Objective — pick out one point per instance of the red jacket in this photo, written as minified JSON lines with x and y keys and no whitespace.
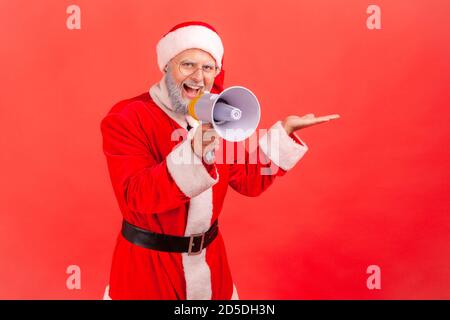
{"x":155,"y":190}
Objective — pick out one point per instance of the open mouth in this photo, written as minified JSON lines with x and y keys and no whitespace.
{"x":191,"y":91}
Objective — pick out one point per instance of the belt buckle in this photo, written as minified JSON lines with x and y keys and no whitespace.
{"x":191,"y":243}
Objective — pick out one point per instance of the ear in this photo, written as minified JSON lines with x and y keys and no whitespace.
{"x":165,"y":68}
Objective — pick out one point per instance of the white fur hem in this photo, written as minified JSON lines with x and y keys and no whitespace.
{"x":235,"y":295}
{"x":188,"y":171}
{"x":191,"y":291}
{"x":106,"y":294}
{"x":196,"y":270}
{"x":282,"y":149}
{"x":197,"y":275}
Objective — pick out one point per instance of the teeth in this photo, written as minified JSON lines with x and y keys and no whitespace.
{"x":193,"y":87}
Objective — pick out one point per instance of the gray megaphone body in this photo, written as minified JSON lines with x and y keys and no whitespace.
{"x":234,"y":113}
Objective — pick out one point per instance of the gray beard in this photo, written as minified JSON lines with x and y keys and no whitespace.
{"x":179,"y":105}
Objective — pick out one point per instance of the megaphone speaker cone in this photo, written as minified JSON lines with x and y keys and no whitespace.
{"x":234,"y":113}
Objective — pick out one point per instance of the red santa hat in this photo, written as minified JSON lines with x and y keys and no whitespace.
{"x":189,"y":35}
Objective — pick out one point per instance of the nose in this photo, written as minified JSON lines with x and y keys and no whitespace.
{"x":197,"y":76}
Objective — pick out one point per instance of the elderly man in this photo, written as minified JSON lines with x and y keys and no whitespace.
{"x":170,"y":246}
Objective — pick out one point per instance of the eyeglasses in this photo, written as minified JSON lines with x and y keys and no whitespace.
{"x":188,"y":67}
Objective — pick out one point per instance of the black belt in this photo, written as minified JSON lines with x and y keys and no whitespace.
{"x":193,"y":245}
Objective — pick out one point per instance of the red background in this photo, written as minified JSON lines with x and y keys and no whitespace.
{"x":373,"y":188}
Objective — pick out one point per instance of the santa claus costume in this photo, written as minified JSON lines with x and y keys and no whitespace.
{"x":157,"y":191}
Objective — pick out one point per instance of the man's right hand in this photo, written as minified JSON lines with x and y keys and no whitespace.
{"x":205,"y":139}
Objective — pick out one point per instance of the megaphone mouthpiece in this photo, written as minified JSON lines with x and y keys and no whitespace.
{"x":225,"y":112}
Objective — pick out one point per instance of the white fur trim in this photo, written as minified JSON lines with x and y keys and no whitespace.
{"x":200,"y":213}
{"x":282,"y":149}
{"x":188,"y":171}
{"x":106,"y":294}
{"x":189,"y":37}
{"x":235,"y":295}
{"x":196,"y":270}
{"x":191,"y":179}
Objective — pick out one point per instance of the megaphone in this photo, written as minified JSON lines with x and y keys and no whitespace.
{"x":234,"y":113}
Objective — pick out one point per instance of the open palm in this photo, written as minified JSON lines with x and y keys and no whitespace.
{"x":293,"y":123}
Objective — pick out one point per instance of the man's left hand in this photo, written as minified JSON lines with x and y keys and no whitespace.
{"x":293,"y":123}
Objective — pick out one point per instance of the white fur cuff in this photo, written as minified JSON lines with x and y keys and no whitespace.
{"x":282,"y":149}
{"x":188,"y":171}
